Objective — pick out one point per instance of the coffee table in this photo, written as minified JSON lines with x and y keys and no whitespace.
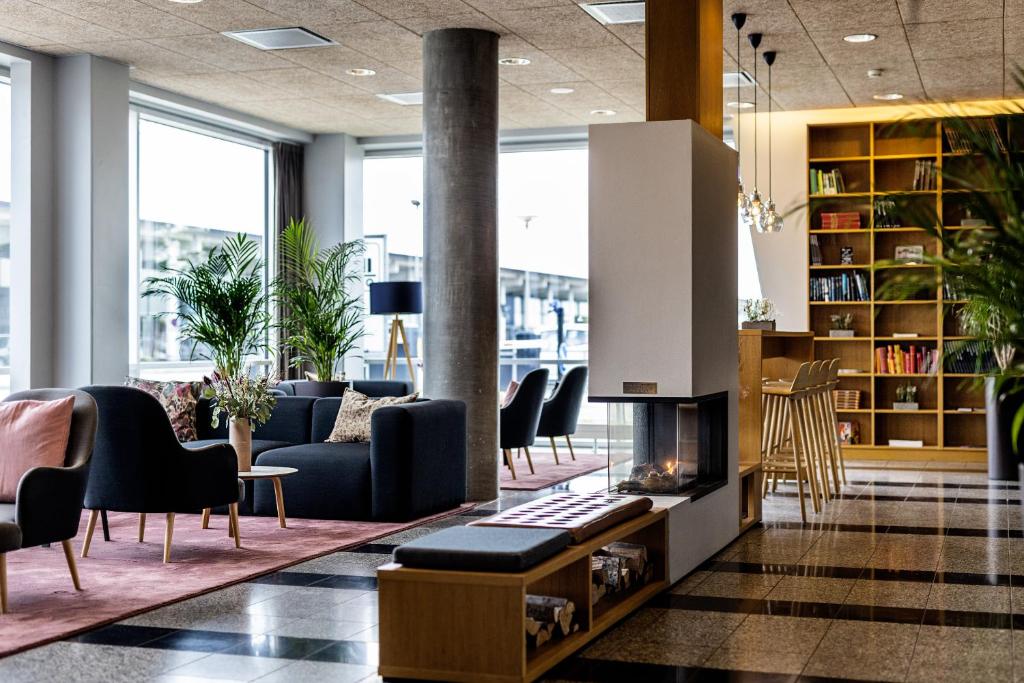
{"x":258,"y":472}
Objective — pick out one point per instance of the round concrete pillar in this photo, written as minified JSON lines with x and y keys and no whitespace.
{"x":460,"y":241}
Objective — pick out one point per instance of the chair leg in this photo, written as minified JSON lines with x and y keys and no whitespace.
{"x":206,"y":518}
{"x":3,"y":583}
{"x":571,"y":451}
{"x":508,"y":461}
{"x":554,"y":449}
{"x":529,"y":460}
{"x":89,"y":529}
{"x":142,"y":527}
{"x":233,"y":515}
{"x":168,"y":535}
{"x":69,"y":555}
{"x":106,"y":526}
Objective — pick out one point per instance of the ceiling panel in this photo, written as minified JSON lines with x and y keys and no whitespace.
{"x":955,"y":47}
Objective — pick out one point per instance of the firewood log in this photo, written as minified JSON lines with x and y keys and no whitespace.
{"x":634,"y":554}
{"x":550,"y":611}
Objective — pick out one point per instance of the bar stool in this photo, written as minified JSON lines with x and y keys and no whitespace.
{"x":787,"y":444}
{"x":833,"y":417}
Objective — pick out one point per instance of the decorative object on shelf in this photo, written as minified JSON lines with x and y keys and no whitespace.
{"x":846,"y":256}
{"x":906,"y":398}
{"x":742,"y":200}
{"x":220,"y":305}
{"x":247,"y":403}
{"x":849,"y":433}
{"x":752,"y":218}
{"x":397,"y":298}
{"x":322,"y":311}
{"x":910,"y":254}
{"x":771,"y":220}
{"x":842,"y":325}
{"x":759,"y":314}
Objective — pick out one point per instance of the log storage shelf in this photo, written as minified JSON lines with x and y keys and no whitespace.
{"x":472,"y":626}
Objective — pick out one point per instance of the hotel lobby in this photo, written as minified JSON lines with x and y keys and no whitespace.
{"x":511,"y":340}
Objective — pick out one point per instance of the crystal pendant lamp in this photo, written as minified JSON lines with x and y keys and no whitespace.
{"x":771,"y":220}
{"x":742,"y":200}
{"x":757,"y":207}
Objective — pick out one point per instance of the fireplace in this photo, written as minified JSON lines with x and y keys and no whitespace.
{"x":668,"y":445}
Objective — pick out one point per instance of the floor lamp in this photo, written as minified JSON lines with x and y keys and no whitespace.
{"x":396,"y":298}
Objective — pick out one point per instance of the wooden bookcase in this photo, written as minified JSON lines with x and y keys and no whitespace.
{"x":878,"y":161}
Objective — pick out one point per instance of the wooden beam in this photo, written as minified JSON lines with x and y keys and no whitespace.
{"x":684,"y":62}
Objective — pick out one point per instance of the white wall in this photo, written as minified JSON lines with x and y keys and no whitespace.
{"x":782,"y":257}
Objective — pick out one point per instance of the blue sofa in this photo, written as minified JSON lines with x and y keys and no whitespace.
{"x":413,"y":466}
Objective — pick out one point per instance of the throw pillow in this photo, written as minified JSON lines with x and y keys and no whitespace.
{"x":32,"y":434}
{"x":510,"y":392}
{"x":178,"y":400}
{"x":353,"y":421}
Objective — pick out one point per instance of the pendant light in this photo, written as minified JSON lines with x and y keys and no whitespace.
{"x":757,"y":206}
{"x":771,"y":220}
{"x":742,"y":200}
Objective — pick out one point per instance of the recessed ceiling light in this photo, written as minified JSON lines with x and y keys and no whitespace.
{"x":629,"y":12}
{"x":737,"y":79}
{"x":286,"y":38}
{"x":513,"y":61}
{"x":403,"y":98}
{"x":187,"y":2}
{"x":740,"y":105}
{"x":603,"y":112}
{"x":361,"y":72}
{"x":562,"y":91}
{"x":860,"y":37}
{"x":889,"y":96}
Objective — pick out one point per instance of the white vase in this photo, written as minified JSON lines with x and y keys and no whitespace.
{"x":240,"y":437}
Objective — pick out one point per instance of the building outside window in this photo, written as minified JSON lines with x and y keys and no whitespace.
{"x":5,"y":235}
{"x":193,"y":189}
{"x":542,"y":226}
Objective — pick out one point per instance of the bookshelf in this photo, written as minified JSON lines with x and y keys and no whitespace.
{"x":879,"y":161}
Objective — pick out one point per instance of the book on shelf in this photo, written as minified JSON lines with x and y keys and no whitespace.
{"x":886,"y":215}
{"x":850,"y":371}
{"x":849,"y":433}
{"x":849,"y":286}
{"x":985,"y":128}
{"x":969,"y":357}
{"x":912,"y":360}
{"x":815,"y":251}
{"x":906,"y":443}
{"x":925,"y":173}
{"x":827,"y":182}
{"x":905,"y":335}
{"x":840,"y":220}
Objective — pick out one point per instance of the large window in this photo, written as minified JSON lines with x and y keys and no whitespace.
{"x":542,"y":225}
{"x":5,"y":235}
{"x":192,"y":190}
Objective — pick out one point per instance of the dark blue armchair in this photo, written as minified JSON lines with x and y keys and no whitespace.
{"x":561,"y":412}
{"x":520,"y":417}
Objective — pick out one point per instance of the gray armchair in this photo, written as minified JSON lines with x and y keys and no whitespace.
{"x":48,"y":505}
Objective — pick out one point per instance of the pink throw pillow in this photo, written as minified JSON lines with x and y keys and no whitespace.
{"x":32,"y":434}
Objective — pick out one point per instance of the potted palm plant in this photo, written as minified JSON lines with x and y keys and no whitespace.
{"x":222,"y":305}
{"x":981,"y":269}
{"x":322,"y":312}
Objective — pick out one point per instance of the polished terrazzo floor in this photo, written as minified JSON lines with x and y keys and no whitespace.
{"x":915,"y":576}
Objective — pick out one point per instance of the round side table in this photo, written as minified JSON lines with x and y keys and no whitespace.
{"x":258,"y":472}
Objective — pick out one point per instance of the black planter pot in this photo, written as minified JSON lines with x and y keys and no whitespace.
{"x":999,"y":411}
{"x":320,"y":389}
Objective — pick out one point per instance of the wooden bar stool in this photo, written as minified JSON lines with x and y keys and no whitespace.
{"x":833,"y":417}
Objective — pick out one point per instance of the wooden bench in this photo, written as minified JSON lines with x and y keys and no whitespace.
{"x":444,"y":625}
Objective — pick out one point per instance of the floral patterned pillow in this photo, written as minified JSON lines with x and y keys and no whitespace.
{"x":353,"y":421}
{"x":178,"y":400}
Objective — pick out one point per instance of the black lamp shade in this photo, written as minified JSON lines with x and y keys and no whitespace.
{"x":396,"y":297}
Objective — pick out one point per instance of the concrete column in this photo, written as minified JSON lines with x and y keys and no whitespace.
{"x":91,"y":238}
{"x":460,"y":241}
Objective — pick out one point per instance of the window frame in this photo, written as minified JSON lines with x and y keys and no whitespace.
{"x":140,"y":112}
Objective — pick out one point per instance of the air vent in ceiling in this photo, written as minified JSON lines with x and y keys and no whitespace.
{"x":616,"y":12}
{"x":287,"y":38}
{"x":731,"y":79}
{"x":404,"y":98}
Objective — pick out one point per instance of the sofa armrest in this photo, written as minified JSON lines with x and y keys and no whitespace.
{"x":207,"y":477}
{"x":48,"y":506}
{"x":417,"y":459}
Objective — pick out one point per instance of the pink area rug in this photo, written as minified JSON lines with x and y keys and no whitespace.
{"x":547,"y":473}
{"x":123,"y":577}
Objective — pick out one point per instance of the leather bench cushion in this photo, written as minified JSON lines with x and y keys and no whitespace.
{"x":582,"y":515}
{"x":482,"y":549}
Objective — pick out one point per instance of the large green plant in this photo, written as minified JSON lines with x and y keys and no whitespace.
{"x":984,"y":266}
{"x":322,"y":315}
{"x":222,"y":303}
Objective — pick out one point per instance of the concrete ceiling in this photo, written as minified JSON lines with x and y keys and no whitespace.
{"x":930,"y":50}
